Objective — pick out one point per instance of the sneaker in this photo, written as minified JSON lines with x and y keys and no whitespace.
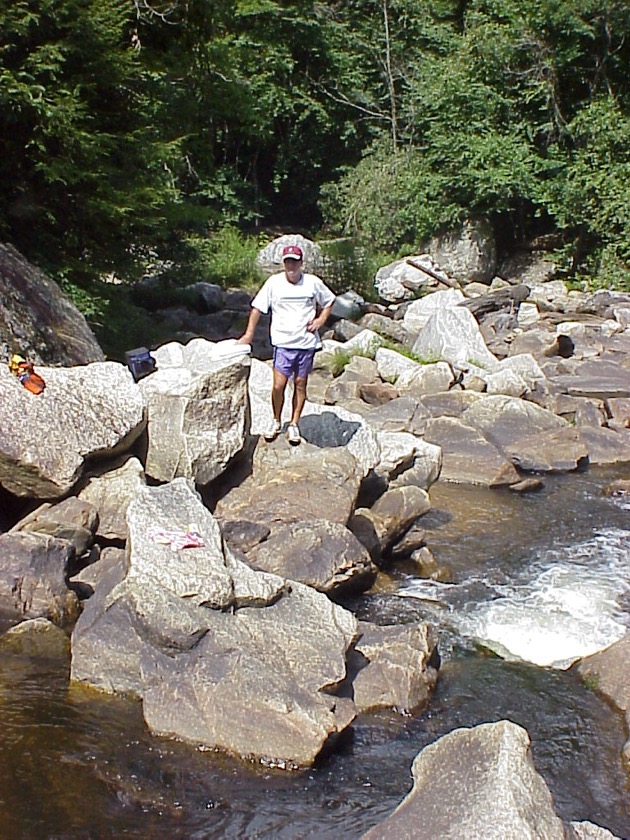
{"x":293,"y":434}
{"x":273,"y":431}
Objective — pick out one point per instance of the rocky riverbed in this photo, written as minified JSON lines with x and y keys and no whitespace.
{"x":202,"y":571}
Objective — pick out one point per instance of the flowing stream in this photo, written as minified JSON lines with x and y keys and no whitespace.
{"x":542,"y":578}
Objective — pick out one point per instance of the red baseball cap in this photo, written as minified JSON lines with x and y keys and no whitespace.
{"x":292,"y":252}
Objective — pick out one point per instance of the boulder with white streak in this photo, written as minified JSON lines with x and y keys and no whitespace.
{"x":198,"y":411}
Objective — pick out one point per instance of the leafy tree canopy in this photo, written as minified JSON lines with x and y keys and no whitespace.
{"x":134,"y":130}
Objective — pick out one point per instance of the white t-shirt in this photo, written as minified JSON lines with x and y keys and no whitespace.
{"x":292,"y":307}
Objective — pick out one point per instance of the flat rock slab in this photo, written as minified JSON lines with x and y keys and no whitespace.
{"x":403,"y":414}
{"x":84,"y":412}
{"x":596,"y":387}
{"x":606,"y":446}
{"x":504,"y":420}
{"x":559,"y":451}
{"x":292,"y":484}
{"x":467,"y":457}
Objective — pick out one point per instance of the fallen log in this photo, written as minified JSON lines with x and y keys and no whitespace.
{"x":495,"y":301}
{"x":452,"y":284}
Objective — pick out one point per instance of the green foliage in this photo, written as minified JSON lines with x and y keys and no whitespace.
{"x":226,"y":257}
{"x":387,"y":200}
{"x":337,"y":361}
{"x":517,"y":110}
{"x":387,"y":120}
{"x":351,"y":265}
{"x":592,"y":681}
{"x":82,"y":163}
{"x":593,"y":198}
{"x":407,"y":352}
{"x":114,"y":317}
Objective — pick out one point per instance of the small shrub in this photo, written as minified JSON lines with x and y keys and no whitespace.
{"x":337,"y":361}
{"x":407,"y":352}
{"x":591,"y":681}
{"x":226,"y":257}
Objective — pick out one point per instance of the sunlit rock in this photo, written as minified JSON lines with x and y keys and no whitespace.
{"x":220,"y":655}
{"x":84,"y":412}
{"x":478,"y":782}
{"x":198,"y":412}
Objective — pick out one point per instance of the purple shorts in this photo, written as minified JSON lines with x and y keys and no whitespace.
{"x":293,"y":362}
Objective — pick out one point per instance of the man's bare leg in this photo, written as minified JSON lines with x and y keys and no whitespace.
{"x":299,"y":398}
{"x":277,"y":394}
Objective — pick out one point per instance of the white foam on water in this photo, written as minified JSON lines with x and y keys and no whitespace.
{"x":566,"y":604}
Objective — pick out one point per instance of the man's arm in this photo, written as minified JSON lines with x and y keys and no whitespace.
{"x":252,"y":323}
{"x":320,"y":321}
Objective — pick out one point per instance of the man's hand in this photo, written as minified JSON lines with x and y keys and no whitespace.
{"x":315,"y":324}
{"x":250,"y":329}
{"x":320,"y":321}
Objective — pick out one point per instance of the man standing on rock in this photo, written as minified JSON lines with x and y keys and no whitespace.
{"x":299,"y":304}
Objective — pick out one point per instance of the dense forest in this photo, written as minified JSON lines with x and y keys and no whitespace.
{"x":137,"y":132}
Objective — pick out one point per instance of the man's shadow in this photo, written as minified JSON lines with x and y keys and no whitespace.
{"x":327,"y":429}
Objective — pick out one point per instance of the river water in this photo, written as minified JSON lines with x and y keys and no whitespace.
{"x":538,"y":578}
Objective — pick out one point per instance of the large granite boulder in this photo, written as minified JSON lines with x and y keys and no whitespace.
{"x":269,"y":259}
{"x":453,"y":335}
{"x":393,"y":513}
{"x":468,"y":253}
{"x":419,"y":312}
{"x":110,"y":490}
{"x":37,"y":320}
{"x":609,"y":673}
{"x":391,"y":364}
{"x":318,"y":553}
{"x":33,"y":571}
{"x":425,"y":379}
{"x":87,"y":412}
{"x":407,"y":459}
{"x":198,"y":411}
{"x":220,"y":655}
{"x":406,"y":278}
{"x":396,"y":667}
{"x":480,"y":783}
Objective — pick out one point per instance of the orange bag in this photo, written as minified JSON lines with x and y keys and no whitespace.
{"x":33,"y":382}
{"x":25,"y":373}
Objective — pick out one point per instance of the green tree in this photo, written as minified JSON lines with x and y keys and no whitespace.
{"x":497,"y":113}
{"x":84,"y":173}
